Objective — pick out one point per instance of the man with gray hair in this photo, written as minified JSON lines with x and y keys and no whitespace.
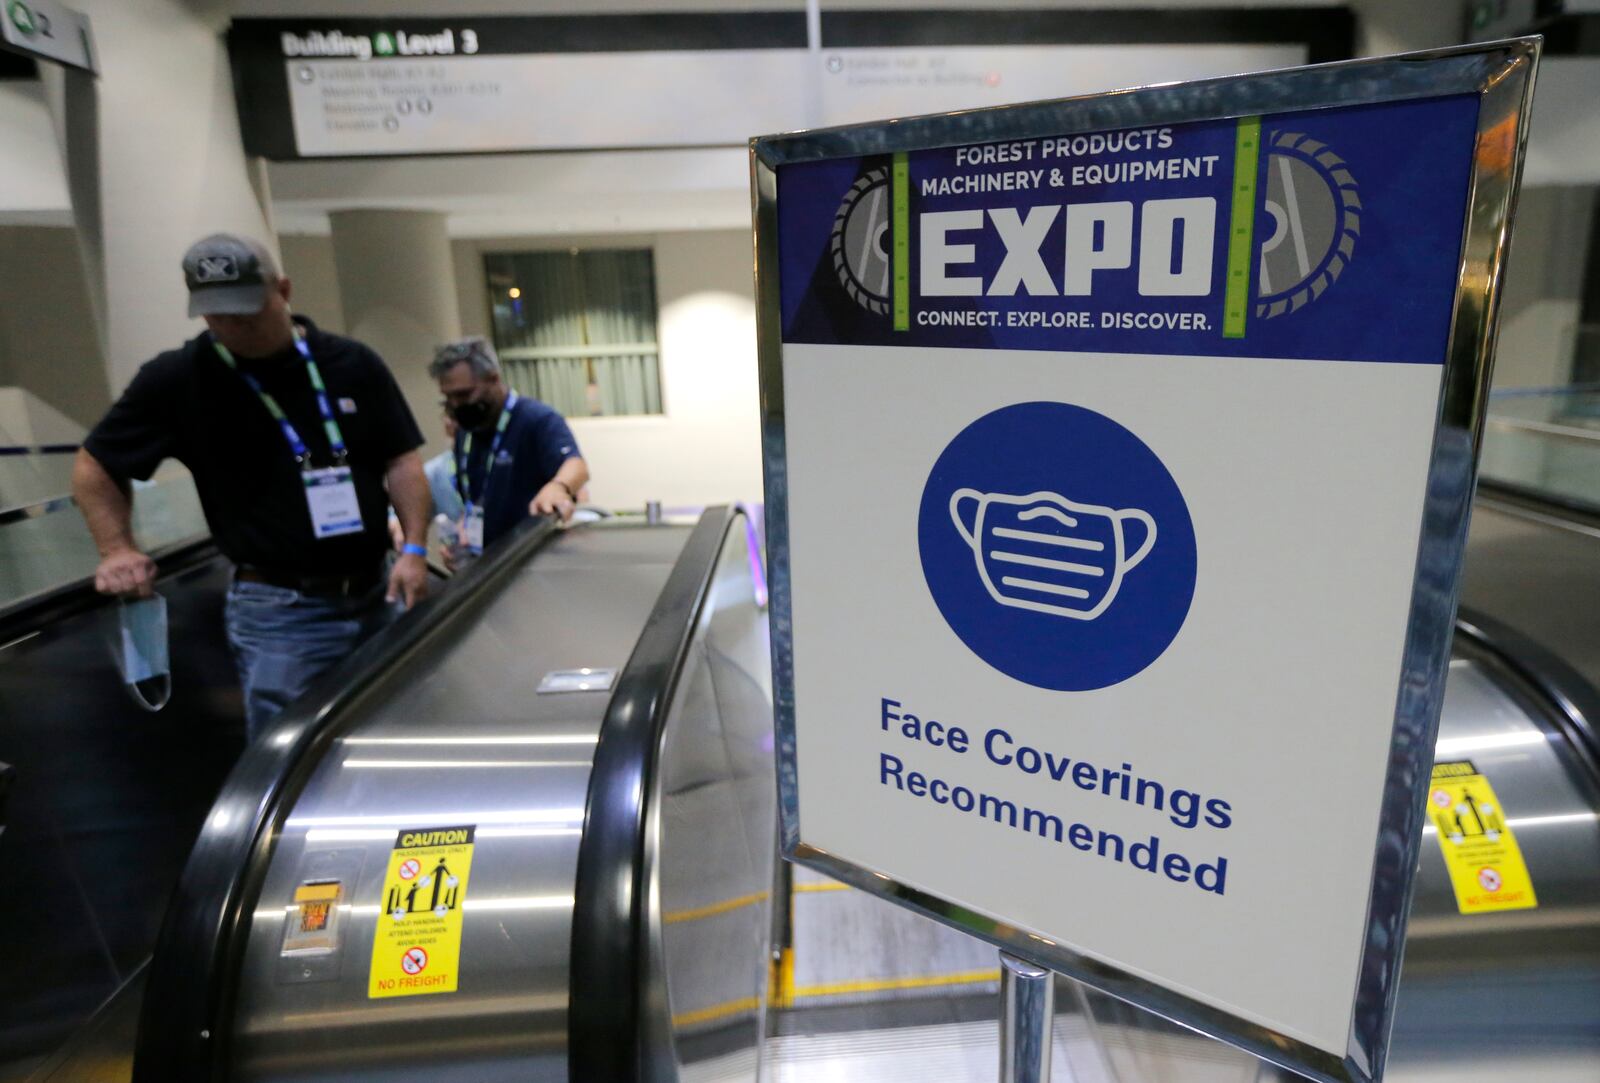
{"x":514,"y":456}
{"x":298,"y":441}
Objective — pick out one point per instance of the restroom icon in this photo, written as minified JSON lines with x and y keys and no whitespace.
{"x":1044,"y":552}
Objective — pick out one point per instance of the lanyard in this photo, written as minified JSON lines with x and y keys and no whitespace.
{"x":302,"y":454}
{"x":462,"y":480}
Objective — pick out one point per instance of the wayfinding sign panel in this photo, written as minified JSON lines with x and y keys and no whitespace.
{"x":1119,"y":456}
{"x":47,"y":30}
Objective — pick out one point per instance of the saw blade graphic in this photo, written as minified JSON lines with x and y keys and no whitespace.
{"x":860,"y":242}
{"x":1315,"y":209}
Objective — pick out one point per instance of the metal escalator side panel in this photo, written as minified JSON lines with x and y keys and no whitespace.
{"x":193,"y":975}
{"x":1561,"y":691}
{"x":710,"y":859}
{"x":608,"y":1019}
{"x":1514,"y":992}
{"x":463,"y":739}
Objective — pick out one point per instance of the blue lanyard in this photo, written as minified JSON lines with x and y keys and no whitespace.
{"x":465,"y":455}
{"x":302,"y":454}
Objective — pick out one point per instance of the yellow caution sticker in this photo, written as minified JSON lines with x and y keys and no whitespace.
{"x":417,"y":948}
{"x":1485,"y":863}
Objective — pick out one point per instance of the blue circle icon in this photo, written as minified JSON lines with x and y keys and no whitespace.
{"x":1057,"y":546}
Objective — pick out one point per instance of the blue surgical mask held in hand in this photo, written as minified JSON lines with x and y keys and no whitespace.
{"x":142,"y":655}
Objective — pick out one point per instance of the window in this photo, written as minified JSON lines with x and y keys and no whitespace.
{"x":577,"y":329}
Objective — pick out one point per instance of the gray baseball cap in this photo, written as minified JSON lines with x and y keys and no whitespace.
{"x":227,"y":275}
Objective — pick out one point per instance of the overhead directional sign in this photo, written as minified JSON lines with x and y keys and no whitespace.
{"x":1119,"y":454}
{"x":47,"y":30}
{"x":400,"y":86}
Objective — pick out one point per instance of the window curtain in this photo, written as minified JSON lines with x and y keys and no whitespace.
{"x":581,"y":334}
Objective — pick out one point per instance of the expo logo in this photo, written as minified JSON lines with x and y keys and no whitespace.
{"x":1303,"y":197}
{"x":1099,"y":237}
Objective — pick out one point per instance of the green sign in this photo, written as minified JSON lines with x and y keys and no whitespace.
{"x":47,"y":30}
{"x":22,"y":17}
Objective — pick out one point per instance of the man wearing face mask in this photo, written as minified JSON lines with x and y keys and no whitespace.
{"x":298,"y":441}
{"x":515,"y":456}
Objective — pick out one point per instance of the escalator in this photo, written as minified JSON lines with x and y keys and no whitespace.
{"x":594,"y":705}
{"x":496,"y":689}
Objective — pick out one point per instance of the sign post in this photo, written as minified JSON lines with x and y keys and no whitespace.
{"x":1119,"y":455}
{"x":1027,"y":1012}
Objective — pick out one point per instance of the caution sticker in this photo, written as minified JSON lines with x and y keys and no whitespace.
{"x":417,"y":948}
{"x":1485,"y":863}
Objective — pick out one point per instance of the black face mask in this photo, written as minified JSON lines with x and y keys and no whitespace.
{"x":472,"y":415}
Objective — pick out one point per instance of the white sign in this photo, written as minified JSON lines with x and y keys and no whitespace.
{"x":1117,"y":487}
{"x":431,"y":94}
{"x":49,"y":31}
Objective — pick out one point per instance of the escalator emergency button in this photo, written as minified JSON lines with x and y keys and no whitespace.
{"x":313,"y":925}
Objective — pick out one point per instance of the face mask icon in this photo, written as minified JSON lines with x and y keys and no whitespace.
{"x":1049,"y":554}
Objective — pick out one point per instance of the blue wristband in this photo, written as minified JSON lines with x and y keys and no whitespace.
{"x":414,"y":550}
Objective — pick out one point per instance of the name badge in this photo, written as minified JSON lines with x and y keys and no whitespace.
{"x":331,"y":496}
{"x":472,"y":529}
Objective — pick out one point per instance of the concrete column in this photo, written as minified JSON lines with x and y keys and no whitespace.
{"x":397,"y":281}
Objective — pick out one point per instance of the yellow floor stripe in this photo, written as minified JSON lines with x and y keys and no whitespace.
{"x":883,"y":985}
{"x":716,"y":1011}
{"x":830,"y":885}
{"x":788,"y":992}
{"x":713,"y":909}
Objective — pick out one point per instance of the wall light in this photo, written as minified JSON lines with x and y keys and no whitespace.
{"x":514,"y":292}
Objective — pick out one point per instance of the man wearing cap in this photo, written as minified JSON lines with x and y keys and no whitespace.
{"x":515,"y":456}
{"x":298,"y":441}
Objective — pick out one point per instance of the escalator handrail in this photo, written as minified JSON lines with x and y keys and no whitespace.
{"x":610,"y":896}
{"x":188,"y":1007}
{"x":1570,"y":698}
{"x":34,"y":612}
{"x":1517,"y":497}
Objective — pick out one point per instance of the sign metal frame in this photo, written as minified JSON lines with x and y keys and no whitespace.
{"x":1501,"y":74}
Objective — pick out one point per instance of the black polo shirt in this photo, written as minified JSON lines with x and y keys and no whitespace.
{"x":187,"y":404}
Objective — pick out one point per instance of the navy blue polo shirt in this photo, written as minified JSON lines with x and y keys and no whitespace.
{"x":537,"y":441}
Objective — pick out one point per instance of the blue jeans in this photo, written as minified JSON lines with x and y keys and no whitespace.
{"x":283,"y":639}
